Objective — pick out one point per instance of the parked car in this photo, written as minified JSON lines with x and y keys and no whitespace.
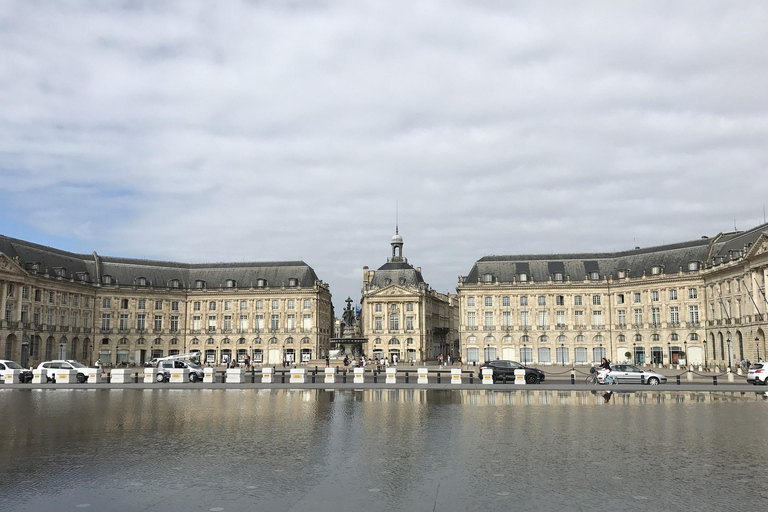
{"x":502,"y":367}
{"x":24,"y":377}
{"x":60,"y":365}
{"x":166,"y":366}
{"x":758,"y":372}
{"x":631,"y":374}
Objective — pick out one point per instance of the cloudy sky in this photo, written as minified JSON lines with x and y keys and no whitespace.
{"x":254,"y":130}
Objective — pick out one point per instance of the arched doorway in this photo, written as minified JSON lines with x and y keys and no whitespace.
{"x":24,"y":359}
{"x":62,"y":354}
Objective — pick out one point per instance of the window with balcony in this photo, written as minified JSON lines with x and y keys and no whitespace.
{"x":394,"y":322}
{"x":275,"y":322}
{"x":141,"y":322}
{"x":158,"y":323}
{"x":674,"y":315}
{"x":212,"y":322}
{"x":488,"y":319}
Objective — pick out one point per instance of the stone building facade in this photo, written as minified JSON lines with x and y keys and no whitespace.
{"x":123,"y":311}
{"x":402,"y":316}
{"x":700,"y":302}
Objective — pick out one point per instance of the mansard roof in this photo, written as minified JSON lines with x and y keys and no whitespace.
{"x":671,"y":258}
{"x":125,"y":271}
{"x":400,"y":273}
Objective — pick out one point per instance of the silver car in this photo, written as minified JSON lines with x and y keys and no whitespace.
{"x":631,"y":374}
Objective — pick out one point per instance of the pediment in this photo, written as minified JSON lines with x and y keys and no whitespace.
{"x":9,"y":267}
{"x":760,"y":246}
{"x":392,"y":291}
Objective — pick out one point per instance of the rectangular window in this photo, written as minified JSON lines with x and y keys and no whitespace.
{"x":123,"y":322}
{"x":674,"y":315}
{"x":51,"y":297}
{"x":174,"y":323}
{"x":212,"y":305}
{"x":409,"y":323}
{"x":595,"y":300}
{"x":470,"y":302}
{"x":290,"y":304}
{"x":377,"y":308}
{"x":36,"y":318}
{"x":243,"y":323}
{"x":622,"y":317}
{"x":196,"y":306}
{"x":307,"y":304}
{"x":560,"y":318}
{"x":377,"y":325}
{"x":259,"y":304}
{"x":75,"y":319}
{"x":8,"y":315}
{"x":524,"y":319}
{"x":505,"y":302}
{"x":409,"y":306}
{"x":24,"y":314}
{"x":291,"y":322}
{"x":620,"y":298}
{"x":64,"y":297}
{"x":542,"y":319}
{"x":196,"y":323}
{"x":228,"y":322}
{"x":488,"y":321}
{"x":63,"y":318}
{"x":654,"y":296}
{"x":123,"y":303}
{"x":87,"y":302}
{"x":655,"y":316}
{"x":106,"y":320}
{"x":307,"y":323}
{"x":9,"y":290}
{"x":523,"y":301}
{"x":597,"y":319}
{"x":38,"y":296}
{"x":259,"y":320}
{"x":394,"y":322}
{"x":86,"y":319}
{"x":158,"y":322}
{"x":243,"y":305}
{"x":141,"y":322}
{"x":560,"y":300}
{"x":473,"y":355}
{"x":76,"y":300}
{"x":692,"y":293}
{"x":638,"y":317}
{"x":25,"y":292}
{"x":471,"y":320}
{"x":577,"y":300}
{"x":693,"y":314}
{"x":158,"y":305}
{"x":275,"y":304}
{"x":175,"y":305}
{"x":106,"y":303}
{"x":581,"y":355}
{"x":227,"y":305}
{"x":673,"y":294}
{"x":506,"y":318}
{"x":142,"y":303}
{"x":274,"y":322}
{"x":211,"y":322}
{"x":489,"y":301}
{"x":542,"y":300}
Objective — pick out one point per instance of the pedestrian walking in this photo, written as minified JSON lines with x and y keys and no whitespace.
{"x":440,"y":360}
{"x":458,"y":360}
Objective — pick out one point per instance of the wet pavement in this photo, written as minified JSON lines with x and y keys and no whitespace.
{"x":210,"y":449}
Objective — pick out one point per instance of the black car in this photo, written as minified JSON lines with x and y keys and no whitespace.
{"x":502,"y":367}
{"x":24,"y":377}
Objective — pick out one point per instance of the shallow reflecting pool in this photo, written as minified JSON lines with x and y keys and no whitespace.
{"x":316,"y":450}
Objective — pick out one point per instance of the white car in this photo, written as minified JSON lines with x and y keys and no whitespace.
{"x":631,"y":374}
{"x":758,"y":372}
{"x":166,"y":366}
{"x":56,"y":367}
{"x":25,"y":375}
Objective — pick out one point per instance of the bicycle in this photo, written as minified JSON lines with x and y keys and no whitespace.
{"x":593,"y":379}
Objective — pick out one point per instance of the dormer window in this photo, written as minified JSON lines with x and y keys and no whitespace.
{"x":656,"y":270}
{"x":173,"y":283}
{"x":33,"y":267}
{"x":558,"y":277}
{"x":199,"y":284}
{"x":293,"y":282}
{"x":59,"y":271}
{"x":523,"y":278}
{"x":231,"y":283}
{"x":622,"y":274}
{"x":141,"y":281}
{"x":85,"y":277}
{"x":594,"y":276}
{"x":261,"y":283}
{"x":106,"y":280}
{"x":693,"y":266}
{"x":488,"y":278}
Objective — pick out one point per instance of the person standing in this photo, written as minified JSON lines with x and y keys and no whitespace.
{"x":327,"y":360}
{"x":458,"y":360}
{"x":440,"y":361}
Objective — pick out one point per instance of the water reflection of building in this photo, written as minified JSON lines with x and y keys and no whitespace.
{"x":60,"y":305}
{"x":700,"y":302}
{"x":402,"y":316}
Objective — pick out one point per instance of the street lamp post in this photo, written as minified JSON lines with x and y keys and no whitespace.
{"x":729,"y":352}
{"x":705,"y":353}
{"x":525,"y":356}
{"x":685,"y":349}
{"x":562,"y":353}
{"x":757,"y":346}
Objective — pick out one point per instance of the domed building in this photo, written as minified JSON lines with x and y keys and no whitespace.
{"x":402,"y":317}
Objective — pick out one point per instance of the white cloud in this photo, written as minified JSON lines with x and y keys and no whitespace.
{"x":257,"y":131}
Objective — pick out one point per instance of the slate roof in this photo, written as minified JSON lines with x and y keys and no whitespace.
{"x":576,"y":267}
{"x":401,"y":273}
{"x":158,"y":273}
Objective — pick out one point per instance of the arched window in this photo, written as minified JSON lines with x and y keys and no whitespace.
{"x":209,"y":341}
{"x":289,"y":340}
{"x":273,"y":341}
{"x":257,"y":341}
{"x":394,"y":341}
{"x":543,"y":338}
{"x":305,"y":340}
{"x":525,"y":339}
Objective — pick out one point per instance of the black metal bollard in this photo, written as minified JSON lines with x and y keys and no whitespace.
{"x":677,"y":378}
{"x":344,"y":377}
{"x":313,"y":375}
{"x":471,"y":377}
{"x":283,"y":377}
{"x":573,"y":379}
{"x":438,"y":377}
{"x":406,"y":377}
{"x":714,"y":380}
{"x":642,"y":380}
{"x":504,"y":378}
{"x":136,"y":378}
{"x":375,"y":376}
{"x":253,"y":376}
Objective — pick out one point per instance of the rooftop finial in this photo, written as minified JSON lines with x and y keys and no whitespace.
{"x":397,"y":218}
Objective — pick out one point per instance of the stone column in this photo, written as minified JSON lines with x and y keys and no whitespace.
{"x":3,"y":298}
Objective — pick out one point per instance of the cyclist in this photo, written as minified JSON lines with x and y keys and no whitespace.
{"x":605,"y":364}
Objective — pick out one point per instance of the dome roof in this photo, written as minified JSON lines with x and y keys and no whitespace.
{"x":397,"y":239}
